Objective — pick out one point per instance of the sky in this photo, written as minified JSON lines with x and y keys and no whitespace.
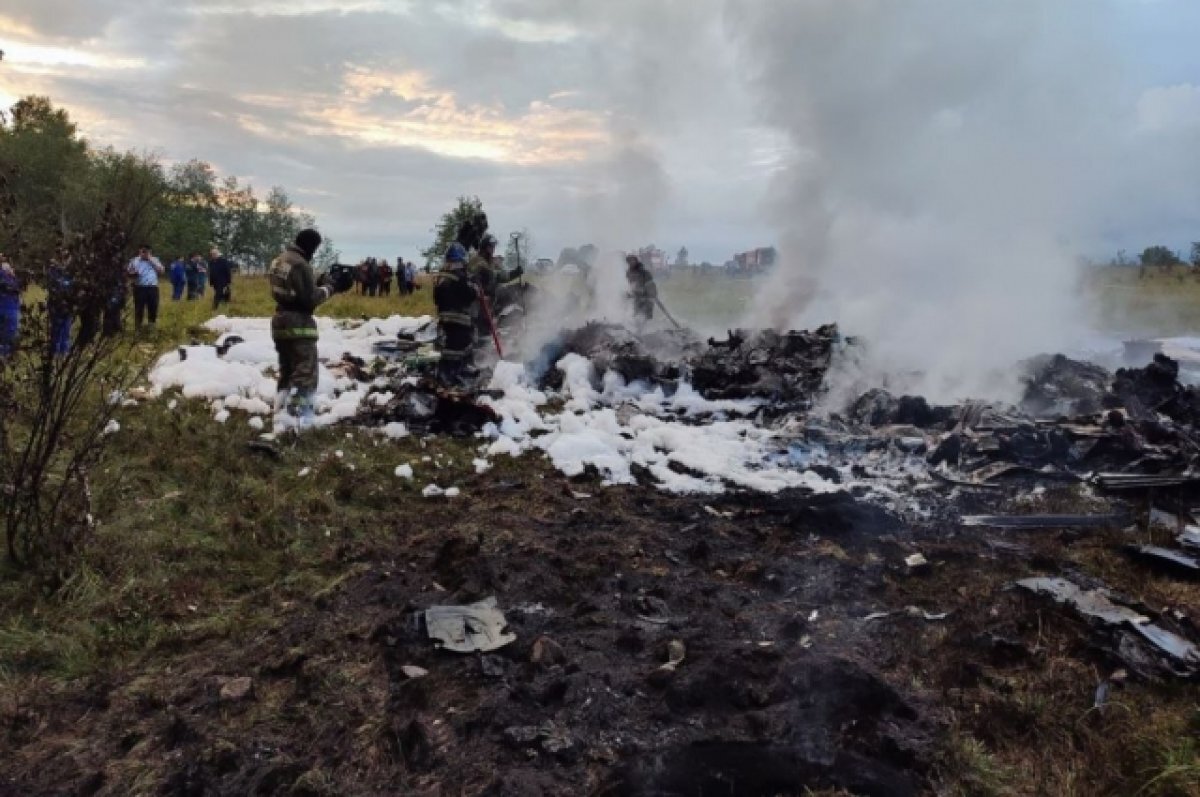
{"x":721,"y":125}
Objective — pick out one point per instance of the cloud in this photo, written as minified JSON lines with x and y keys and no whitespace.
{"x":1169,"y":108}
{"x":405,"y":109}
{"x":632,"y":119}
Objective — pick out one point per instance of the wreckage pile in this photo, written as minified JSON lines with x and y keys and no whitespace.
{"x":705,"y":415}
{"x":786,"y":370}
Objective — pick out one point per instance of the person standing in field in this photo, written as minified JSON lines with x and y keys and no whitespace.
{"x":10,"y":307}
{"x":193,"y":277}
{"x":178,"y":278}
{"x":385,"y":278}
{"x":145,"y":271}
{"x":58,"y":302}
{"x":372,"y":276}
{"x":201,"y":276}
{"x":410,"y":277}
{"x":220,"y":273}
{"x":297,"y":295}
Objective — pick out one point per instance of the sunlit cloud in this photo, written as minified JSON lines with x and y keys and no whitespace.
{"x":45,"y":58}
{"x":433,"y":119}
{"x":297,"y":8}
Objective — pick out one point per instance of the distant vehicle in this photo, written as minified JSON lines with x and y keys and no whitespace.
{"x":543,"y":265}
{"x":570,"y":270}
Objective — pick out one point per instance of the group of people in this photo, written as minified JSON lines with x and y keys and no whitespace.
{"x":68,"y":296}
{"x":374,"y":277}
{"x":193,"y":275}
{"x":465,"y":293}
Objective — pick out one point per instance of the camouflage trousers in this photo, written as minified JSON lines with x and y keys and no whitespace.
{"x":297,"y":364}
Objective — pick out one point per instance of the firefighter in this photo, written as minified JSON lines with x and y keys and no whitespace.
{"x":455,"y":297}
{"x":642,"y":290}
{"x":297,"y":294}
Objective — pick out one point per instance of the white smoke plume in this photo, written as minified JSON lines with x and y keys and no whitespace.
{"x":946,"y":164}
{"x":949,"y":160}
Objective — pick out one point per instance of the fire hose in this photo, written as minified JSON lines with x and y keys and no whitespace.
{"x":658,"y":301}
{"x":486,"y":306}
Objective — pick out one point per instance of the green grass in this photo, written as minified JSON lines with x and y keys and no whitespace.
{"x":1157,"y":305}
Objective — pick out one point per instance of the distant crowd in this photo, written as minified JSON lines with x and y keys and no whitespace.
{"x":374,"y":277}
{"x":66,"y":294}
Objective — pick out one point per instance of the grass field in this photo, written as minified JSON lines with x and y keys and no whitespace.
{"x":1157,"y":305}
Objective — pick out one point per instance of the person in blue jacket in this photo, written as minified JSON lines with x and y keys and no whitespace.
{"x":178,"y":278}
{"x":58,"y":296}
{"x":10,"y":307}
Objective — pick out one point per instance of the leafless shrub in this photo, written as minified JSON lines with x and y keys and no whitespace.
{"x":61,"y":382}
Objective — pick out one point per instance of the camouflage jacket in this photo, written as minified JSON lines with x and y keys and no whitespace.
{"x":294,"y":288}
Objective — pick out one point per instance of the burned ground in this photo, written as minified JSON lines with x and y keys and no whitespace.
{"x":791,"y":679}
{"x":269,"y":637}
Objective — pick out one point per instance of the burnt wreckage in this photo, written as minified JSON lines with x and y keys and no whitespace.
{"x":1128,"y":438}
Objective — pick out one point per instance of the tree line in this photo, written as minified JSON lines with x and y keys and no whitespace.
{"x":62,"y":183}
{"x":1159,"y":257}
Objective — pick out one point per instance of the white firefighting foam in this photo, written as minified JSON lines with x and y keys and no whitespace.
{"x":686,"y":443}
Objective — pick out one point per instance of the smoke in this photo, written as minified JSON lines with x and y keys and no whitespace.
{"x":945,"y":163}
{"x":946,"y":168}
{"x":649,"y":55}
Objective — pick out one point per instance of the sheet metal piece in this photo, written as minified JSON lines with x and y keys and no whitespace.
{"x":466,"y":629}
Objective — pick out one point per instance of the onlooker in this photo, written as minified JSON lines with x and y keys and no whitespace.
{"x":193,"y":277}
{"x":114,"y":309}
{"x":372,"y":276}
{"x":145,"y":270}
{"x":10,"y":307}
{"x":220,"y":272}
{"x":178,"y":278}
{"x":201,"y":276}
{"x":385,"y":279}
{"x":58,"y":303}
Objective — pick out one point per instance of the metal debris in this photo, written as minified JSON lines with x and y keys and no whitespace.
{"x":675,"y":655}
{"x":1047,"y":521}
{"x":1098,"y":604}
{"x":466,"y":629}
{"x":1172,"y":562}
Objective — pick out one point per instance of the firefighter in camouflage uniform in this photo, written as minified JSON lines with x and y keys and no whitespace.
{"x":455,"y":296}
{"x":297,"y":294}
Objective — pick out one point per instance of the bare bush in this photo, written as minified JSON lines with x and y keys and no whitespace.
{"x":61,"y":381}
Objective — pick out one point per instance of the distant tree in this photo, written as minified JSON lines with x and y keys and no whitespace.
{"x":326,"y":256}
{"x":445,"y":231}
{"x":1196,"y":254}
{"x":189,"y":210}
{"x":41,"y":149}
{"x":234,"y":220}
{"x":134,"y":185}
{"x":1158,"y":256}
{"x":681,"y":259}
